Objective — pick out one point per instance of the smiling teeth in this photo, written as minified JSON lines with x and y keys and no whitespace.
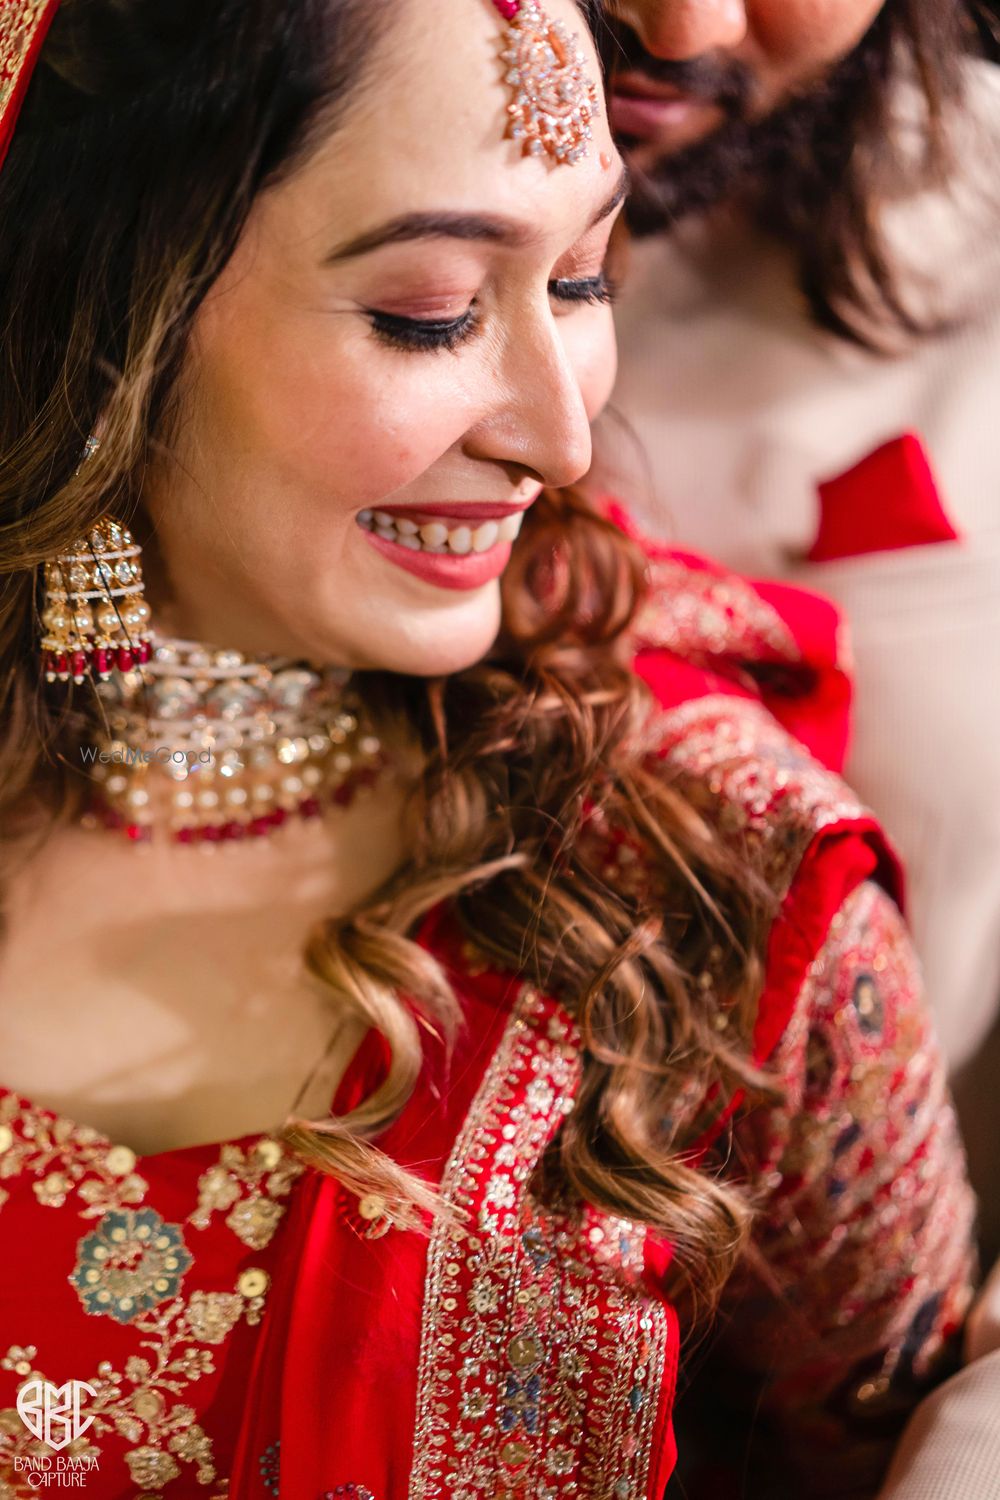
{"x":435,"y":536}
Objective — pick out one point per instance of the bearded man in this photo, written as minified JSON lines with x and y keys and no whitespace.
{"x":810,"y":360}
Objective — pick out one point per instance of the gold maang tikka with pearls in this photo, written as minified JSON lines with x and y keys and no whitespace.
{"x":232,"y":746}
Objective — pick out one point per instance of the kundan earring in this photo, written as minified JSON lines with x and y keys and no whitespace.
{"x":94,"y":613}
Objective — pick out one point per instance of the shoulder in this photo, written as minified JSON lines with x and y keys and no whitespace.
{"x":749,"y":698}
{"x":703,"y":629}
{"x":795,"y":821}
{"x":748,"y":710}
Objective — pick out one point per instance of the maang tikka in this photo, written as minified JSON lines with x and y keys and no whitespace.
{"x":555,"y":101}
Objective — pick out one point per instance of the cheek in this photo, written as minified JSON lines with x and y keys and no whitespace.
{"x":593,"y":353}
{"x":804,"y":36}
{"x":317,"y":409}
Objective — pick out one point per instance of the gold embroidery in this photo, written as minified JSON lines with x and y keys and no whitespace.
{"x":137,"y":1402}
{"x":130,"y":1267}
{"x":247,"y":1181}
{"x":73,"y":1158}
{"x":693,"y":613}
{"x":18,"y":25}
{"x":769,"y":791}
{"x":551,"y":1295}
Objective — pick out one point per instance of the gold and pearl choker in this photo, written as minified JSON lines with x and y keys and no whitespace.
{"x":435,"y":536}
{"x":235,"y":747}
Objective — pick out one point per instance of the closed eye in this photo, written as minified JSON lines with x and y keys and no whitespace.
{"x":424,"y":333}
{"x":586,"y":289}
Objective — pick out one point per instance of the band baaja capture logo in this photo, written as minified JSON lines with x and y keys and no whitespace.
{"x":52,"y":1414}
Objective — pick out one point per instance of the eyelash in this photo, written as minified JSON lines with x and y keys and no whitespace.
{"x":423,"y":334}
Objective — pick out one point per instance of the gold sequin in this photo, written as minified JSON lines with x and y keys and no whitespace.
{"x":131,"y":1267}
{"x":253,"y":1282}
{"x":120,"y":1160}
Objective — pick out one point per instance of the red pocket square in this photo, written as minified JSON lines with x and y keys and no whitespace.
{"x":887,"y":501}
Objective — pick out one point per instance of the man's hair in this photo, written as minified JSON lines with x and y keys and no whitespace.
{"x":818,"y":171}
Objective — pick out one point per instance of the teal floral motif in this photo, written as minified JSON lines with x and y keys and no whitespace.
{"x":131,"y":1262}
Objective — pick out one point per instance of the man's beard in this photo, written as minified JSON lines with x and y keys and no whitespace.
{"x":777,"y":161}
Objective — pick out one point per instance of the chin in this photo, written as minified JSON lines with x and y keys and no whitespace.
{"x":435,"y":643}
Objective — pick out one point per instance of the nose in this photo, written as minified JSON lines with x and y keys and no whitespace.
{"x":680,"y":29}
{"x":538,"y":421}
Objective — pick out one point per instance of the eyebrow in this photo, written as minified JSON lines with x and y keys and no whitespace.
{"x":492,"y":229}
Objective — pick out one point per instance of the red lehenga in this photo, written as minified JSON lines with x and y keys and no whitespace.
{"x":250,"y":1329}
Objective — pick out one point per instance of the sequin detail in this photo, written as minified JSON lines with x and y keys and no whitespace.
{"x":542,"y":1355}
{"x":269,"y":1465}
{"x":248,"y":1182}
{"x":130,"y":1268}
{"x":698,"y":614}
{"x":139,"y":1400}
{"x":768,"y":792}
{"x":130,"y":1263}
{"x":66,"y":1160}
{"x":865,"y":1215}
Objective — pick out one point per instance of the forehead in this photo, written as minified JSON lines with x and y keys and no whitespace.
{"x":427,"y":123}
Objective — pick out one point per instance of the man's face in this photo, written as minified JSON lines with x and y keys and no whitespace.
{"x":683,"y":70}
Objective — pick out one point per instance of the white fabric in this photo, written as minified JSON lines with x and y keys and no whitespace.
{"x":951,"y":1449}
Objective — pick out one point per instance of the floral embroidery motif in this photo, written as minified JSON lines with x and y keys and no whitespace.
{"x":247,"y":1182}
{"x":865,"y":1215}
{"x":136,"y":1402}
{"x":129,"y":1263}
{"x":131,"y":1268}
{"x":550,"y":1295}
{"x":66,"y":1159}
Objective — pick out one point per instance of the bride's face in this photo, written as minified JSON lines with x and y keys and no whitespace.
{"x":410,"y":340}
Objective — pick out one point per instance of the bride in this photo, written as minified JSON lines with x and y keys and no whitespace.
{"x":434,"y":970}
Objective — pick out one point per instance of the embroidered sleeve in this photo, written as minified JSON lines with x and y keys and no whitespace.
{"x":862,"y":1265}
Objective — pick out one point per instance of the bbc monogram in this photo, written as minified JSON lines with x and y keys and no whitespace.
{"x":52,"y":1413}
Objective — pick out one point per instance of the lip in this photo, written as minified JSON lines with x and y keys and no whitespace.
{"x":466,"y":510}
{"x":471,"y":570}
{"x":641,"y":108}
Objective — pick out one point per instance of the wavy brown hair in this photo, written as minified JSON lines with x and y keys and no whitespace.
{"x":144,"y":141}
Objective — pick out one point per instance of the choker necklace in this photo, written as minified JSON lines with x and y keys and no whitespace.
{"x":236,"y":747}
